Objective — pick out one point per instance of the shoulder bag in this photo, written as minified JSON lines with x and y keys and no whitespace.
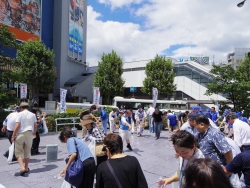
{"x":74,"y":173}
{"x":113,"y":173}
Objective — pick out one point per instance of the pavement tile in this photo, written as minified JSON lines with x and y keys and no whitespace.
{"x":155,"y":156}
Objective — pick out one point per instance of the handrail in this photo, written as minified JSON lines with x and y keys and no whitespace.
{"x":72,"y":118}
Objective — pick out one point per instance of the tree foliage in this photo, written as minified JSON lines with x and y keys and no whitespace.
{"x":34,"y":66}
{"x":7,"y":42}
{"x":159,"y":74}
{"x":234,"y":83}
{"x":108,"y":76}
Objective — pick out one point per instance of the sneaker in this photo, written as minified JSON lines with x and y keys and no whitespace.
{"x":6,"y":155}
{"x":129,"y":147}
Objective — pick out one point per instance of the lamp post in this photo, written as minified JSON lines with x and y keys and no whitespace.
{"x":241,"y":3}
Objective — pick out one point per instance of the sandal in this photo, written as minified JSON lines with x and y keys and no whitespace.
{"x":27,"y":171}
{"x":22,"y":173}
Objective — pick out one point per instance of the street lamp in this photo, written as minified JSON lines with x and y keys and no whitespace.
{"x":241,"y":3}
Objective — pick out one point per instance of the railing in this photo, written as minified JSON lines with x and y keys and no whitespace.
{"x":73,"y":121}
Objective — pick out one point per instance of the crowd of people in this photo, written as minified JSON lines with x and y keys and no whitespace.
{"x":208,"y":157}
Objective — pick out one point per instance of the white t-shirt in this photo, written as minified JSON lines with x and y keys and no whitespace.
{"x":234,"y":146}
{"x":241,"y":132}
{"x":112,"y":116}
{"x":26,"y":120}
{"x":10,"y":121}
{"x":150,"y":111}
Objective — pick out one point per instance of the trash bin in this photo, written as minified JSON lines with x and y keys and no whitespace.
{"x":74,"y":130}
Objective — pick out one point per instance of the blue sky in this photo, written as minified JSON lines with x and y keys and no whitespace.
{"x":123,"y":14}
{"x":137,"y":30}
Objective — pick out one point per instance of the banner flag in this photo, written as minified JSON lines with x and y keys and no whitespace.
{"x":63,"y":93}
{"x":96,"y":96}
{"x":155,"y":96}
{"x":23,"y":90}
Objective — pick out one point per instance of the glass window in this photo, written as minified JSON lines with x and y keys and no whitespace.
{"x":127,"y":70}
{"x":137,"y":69}
{"x":196,"y":77}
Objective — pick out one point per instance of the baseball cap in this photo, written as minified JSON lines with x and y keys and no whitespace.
{"x":192,"y":115}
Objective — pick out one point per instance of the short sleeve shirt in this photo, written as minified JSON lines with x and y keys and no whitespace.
{"x":213,"y":144}
{"x":26,"y":120}
{"x":157,"y":117}
{"x":82,"y":148}
{"x":241,"y":163}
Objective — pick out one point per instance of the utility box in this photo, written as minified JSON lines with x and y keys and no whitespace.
{"x":51,"y":152}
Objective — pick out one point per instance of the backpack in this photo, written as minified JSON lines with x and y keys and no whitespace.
{"x":172,"y":120}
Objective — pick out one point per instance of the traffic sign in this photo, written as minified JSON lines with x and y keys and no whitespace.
{"x":132,"y":89}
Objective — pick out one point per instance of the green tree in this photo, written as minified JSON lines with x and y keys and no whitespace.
{"x":34,"y":66}
{"x":160,"y":75}
{"x":108,"y":76}
{"x":7,"y":42}
{"x":233,"y":83}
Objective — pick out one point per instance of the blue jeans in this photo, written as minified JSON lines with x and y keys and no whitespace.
{"x":150,"y":125}
{"x":158,"y":126}
{"x":104,"y":126}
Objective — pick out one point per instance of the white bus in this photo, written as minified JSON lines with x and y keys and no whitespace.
{"x":74,"y":107}
{"x":133,"y":103}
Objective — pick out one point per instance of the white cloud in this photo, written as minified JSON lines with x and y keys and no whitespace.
{"x":202,"y":27}
{"x":119,"y":3}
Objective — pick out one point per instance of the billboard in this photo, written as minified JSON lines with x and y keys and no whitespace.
{"x":76,"y":24}
{"x":22,"y":16}
{"x":200,"y":60}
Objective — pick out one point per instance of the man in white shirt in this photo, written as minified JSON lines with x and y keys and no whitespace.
{"x":150,"y":123}
{"x":8,"y":127}
{"x":241,"y":131}
{"x":25,"y":129}
{"x":112,"y":120}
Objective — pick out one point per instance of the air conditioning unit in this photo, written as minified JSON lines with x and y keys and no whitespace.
{"x":51,"y":152}
{"x":185,"y":99}
{"x":172,"y":99}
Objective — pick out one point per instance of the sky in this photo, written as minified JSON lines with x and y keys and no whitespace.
{"x":139,"y":29}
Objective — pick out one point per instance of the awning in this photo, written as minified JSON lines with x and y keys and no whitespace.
{"x":75,"y":80}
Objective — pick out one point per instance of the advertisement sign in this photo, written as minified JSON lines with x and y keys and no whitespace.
{"x":155,"y":96}
{"x":63,"y":93}
{"x":76,"y":23}
{"x":200,"y":60}
{"x":96,"y":96}
{"x":22,"y":16}
{"x":23,"y":90}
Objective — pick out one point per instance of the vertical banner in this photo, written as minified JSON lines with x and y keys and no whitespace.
{"x":217,"y":107}
{"x":63,"y":93}
{"x":76,"y":23}
{"x":155,"y":96}
{"x":23,"y":90}
{"x":96,"y":96}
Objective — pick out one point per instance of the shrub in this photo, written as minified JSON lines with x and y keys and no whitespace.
{"x":51,"y":124}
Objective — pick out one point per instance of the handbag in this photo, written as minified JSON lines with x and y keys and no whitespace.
{"x":98,"y":150}
{"x":113,"y":173}
{"x":40,"y":128}
{"x":74,"y":173}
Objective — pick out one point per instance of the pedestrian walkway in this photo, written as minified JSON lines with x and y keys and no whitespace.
{"x":155,"y":156}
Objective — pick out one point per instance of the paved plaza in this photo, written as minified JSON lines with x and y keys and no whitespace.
{"x":155,"y":156}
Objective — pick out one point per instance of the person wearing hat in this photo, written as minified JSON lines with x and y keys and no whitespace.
{"x":94,"y":134}
{"x":25,"y":129}
{"x":244,"y":119}
{"x":85,"y":112}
